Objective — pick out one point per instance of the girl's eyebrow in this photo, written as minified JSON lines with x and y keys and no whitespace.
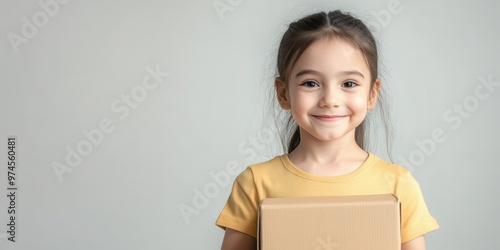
{"x":307,"y":72}
{"x":352,"y":72}
{"x":314,"y":72}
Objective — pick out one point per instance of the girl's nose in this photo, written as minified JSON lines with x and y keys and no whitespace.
{"x":330,"y":97}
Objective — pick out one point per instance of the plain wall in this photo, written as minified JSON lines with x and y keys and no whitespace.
{"x":79,"y":67}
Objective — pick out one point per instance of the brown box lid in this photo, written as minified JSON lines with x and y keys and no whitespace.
{"x":330,"y":223}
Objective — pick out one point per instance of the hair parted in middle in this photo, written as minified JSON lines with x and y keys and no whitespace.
{"x":307,"y":30}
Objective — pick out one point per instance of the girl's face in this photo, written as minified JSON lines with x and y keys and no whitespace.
{"x":328,"y":90}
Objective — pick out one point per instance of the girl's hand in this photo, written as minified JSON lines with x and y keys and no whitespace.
{"x":415,"y":244}
{"x":236,"y":240}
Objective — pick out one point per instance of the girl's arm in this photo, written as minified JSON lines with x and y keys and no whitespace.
{"x":236,"y":240}
{"x":415,"y":244}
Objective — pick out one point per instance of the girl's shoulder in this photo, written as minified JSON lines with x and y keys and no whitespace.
{"x":269,"y":168}
{"x":380,"y":164}
{"x":267,"y":165}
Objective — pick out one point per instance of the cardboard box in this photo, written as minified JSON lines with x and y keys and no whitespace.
{"x":330,"y":223}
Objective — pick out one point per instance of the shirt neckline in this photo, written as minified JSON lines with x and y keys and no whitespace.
{"x":297,"y":171}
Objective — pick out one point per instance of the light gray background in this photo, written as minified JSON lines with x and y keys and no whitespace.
{"x":208,"y":113}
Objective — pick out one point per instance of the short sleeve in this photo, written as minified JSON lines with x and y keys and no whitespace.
{"x":241,"y":210}
{"x":415,"y":217}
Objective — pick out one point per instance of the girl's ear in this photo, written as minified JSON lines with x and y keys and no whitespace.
{"x":374,"y":94}
{"x":282,"y":93}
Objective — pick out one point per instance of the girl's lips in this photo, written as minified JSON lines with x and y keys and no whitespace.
{"x":329,"y":118}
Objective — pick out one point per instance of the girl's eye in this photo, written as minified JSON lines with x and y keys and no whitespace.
{"x":310,"y":84}
{"x":349,"y":84}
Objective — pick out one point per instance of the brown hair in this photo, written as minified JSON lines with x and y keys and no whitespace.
{"x":302,"y":33}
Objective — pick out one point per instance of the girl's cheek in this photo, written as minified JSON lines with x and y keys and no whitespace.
{"x":358,"y":102}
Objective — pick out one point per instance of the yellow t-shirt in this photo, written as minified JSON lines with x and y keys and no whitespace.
{"x":279,"y":177}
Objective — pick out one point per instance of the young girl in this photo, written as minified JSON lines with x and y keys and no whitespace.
{"x":328,"y":81}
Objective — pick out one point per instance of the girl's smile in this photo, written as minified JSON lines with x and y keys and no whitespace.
{"x":329,"y":118}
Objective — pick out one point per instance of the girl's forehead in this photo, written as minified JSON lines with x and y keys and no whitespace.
{"x":330,"y":55}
